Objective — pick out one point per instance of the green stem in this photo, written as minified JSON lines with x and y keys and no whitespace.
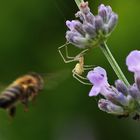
{"x":113,"y":63}
{"x":78,"y":2}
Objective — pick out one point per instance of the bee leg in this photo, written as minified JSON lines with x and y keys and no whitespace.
{"x":12,"y":111}
{"x":26,"y":104}
{"x":136,"y":117}
{"x":34,"y":97}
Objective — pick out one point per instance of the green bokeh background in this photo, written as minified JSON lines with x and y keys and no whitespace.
{"x":30,"y":33}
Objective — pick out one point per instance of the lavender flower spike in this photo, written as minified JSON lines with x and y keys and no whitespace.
{"x":98,"y":78}
{"x":119,"y":100}
{"x":91,"y":30}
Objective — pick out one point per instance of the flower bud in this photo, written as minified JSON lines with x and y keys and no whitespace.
{"x":112,"y":22}
{"x":84,"y":8}
{"x":103,"y":12}
{"x":70,"y":25}
{"x":75,"y":25}
{"x":76,"y":39}
{"x":80,"y":15}
{"x":90,"y":30}
{"x":121,"y":87}
{"x":109,"y":107}
{"x":134,"y":92}
{"x":137,"y":81}
{"x":118,"y":98}
{"x":98,"y":23}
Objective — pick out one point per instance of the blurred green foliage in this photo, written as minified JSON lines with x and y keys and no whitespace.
{"x":30,"y":33}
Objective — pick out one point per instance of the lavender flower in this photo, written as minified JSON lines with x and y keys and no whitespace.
{"x":98,"y":78}
{"x":91,"y":29}
{"x":118,"y":100}
{"x":133,"y":63}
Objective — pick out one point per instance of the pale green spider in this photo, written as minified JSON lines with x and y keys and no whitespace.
{"x":79,"y":67}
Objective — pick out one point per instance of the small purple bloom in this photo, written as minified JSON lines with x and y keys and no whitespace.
{"x":98,"y":78}
{"x":133,"y":63}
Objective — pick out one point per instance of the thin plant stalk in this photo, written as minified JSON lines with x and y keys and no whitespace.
{"x":113,"y":63}
{"x":78,"y":2}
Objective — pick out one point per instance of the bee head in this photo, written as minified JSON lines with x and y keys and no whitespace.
{"x":31,"y":79}
{"x":39,"y":79}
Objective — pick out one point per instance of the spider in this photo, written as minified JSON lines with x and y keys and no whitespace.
{"x":79,"y":68}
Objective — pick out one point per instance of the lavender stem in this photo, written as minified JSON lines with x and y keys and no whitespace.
{"x":113,"y":63}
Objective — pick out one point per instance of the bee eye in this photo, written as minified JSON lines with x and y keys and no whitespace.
{"x":29,"y":81}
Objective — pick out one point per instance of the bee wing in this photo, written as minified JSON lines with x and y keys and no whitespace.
{"x":52,"y":80}
{"x":3,"y":87}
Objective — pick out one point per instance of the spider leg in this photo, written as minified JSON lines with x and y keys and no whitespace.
{"x":80,"y":78}
{"x":89,"y":66}
{"x":70,"y":58}
{"x":88,"y":69}
{"x":82,"y":53}
{"x":78,"y":75}
{"x":67,"y":55}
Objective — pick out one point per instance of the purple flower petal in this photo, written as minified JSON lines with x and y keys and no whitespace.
{"x":97,"y":76}
{"x":94,"y":91}
{"x":70,"y":25}
{"x":133,"y":61}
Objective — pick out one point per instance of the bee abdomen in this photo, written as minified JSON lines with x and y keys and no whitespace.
{"x":10,"y":96}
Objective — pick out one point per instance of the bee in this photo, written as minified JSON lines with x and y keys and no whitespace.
{"x":80,"y":67}
{"x":23,"y":90}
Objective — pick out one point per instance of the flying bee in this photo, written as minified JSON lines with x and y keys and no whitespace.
{"x":80,"y":67}
{"x":23,"y":90}
{"x":26,"y":88}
